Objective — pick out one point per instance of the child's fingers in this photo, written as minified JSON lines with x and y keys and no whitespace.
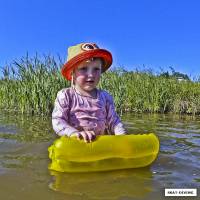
{"x":76,"y":134}
{"x":93,"y":135}
{"x":79,"y":136}
{"x":90,"y":135}
{"x":83,"y":136}
{"x":87,"y":136}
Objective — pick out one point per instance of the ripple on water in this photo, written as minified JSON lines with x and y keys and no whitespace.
{"x":176,"y":170}
{"x":180,"y":135}
{"x":187,"y":156}
{"x":196,"y":152}
{"x":8,"y":129}
{"x":167,"y":146}
{"x":194,"y":141}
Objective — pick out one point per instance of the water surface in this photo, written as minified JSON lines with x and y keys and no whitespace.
{"x":24,"y":161}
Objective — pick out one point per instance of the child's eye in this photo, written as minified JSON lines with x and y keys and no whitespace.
{"x":96,"y":68}
{"x":82,"y":69}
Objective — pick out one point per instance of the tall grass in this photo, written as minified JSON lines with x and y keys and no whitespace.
{"x":30,"y":85}
{"x":146,"y":92}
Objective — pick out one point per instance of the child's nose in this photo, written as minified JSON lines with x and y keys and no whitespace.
{"x":90,"y":73}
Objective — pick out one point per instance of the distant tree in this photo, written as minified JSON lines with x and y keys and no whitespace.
{"x":175,"y":74}
{"x":165,"y":74}
{"x":181,"y":76}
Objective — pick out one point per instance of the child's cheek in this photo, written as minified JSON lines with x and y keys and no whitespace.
{"x":98,"y":73}
{"x":80,"y":74}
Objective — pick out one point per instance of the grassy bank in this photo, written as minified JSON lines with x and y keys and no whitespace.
{"x":30,"y":85}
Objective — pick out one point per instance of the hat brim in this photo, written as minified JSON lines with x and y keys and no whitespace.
{"x":95,"y":53}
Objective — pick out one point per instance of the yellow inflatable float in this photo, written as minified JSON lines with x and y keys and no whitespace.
{"x":107,"y":152}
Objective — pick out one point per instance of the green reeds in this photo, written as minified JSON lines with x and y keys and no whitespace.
{"x":30,"y":85}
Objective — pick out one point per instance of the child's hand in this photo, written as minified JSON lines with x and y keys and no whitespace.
{"x":87,"y":136}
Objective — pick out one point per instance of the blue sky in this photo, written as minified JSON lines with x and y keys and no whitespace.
{"x":151,"y":33}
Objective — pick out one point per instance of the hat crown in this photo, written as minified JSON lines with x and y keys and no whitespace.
{"x":73,"y":51}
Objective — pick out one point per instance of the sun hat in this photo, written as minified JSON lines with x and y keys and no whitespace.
{"x":81,"y":52}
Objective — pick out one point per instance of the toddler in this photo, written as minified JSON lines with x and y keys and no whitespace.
{"x":83,"y":110}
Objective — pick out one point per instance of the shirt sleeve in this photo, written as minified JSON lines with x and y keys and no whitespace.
{"x":114,"y":123}
{"x":60,"y":115}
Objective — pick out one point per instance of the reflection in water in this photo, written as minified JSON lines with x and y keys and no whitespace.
{"x":25,"y":128}
{"x":104,"y":185}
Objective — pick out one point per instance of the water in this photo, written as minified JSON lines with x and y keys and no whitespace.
{"x":24,"y":162}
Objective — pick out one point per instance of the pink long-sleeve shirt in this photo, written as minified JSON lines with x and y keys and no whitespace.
{"x":74,"y":112}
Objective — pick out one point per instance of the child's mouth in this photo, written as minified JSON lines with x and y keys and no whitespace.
{"x":90,"y":81}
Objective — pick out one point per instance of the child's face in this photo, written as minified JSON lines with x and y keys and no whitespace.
{"x":87,"y":74}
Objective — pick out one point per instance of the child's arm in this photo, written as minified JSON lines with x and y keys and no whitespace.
{"x":114,"y":123}
{"x":60,"y":115}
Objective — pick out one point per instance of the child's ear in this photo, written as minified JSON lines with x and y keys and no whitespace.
{"x":72,"y":78}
